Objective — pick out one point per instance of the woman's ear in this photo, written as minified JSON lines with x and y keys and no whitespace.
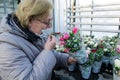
{"x":29,"y":24}
{"x":30,"y":21}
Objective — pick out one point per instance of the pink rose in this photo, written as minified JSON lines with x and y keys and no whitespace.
{"x":62,"y":43}
{"x":66,"y":36}
{"x":118,"y":48}
{"x":61,"y":38}
{"x":75,"y":30}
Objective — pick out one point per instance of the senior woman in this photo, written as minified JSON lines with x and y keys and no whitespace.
{"x":25,"y":54}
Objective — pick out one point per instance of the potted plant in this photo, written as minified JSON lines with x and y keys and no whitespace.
{"x":71,"y":43}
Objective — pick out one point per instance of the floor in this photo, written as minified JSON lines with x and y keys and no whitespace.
{"x":75,"y":75}
{"x":104,"y":74}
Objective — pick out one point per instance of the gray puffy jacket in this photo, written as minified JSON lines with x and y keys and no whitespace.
{"x":22,"y":58}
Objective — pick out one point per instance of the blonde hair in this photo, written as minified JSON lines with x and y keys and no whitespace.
{"x":28,"y":9}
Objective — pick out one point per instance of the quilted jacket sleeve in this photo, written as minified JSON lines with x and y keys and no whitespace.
{"x":14,"y":64}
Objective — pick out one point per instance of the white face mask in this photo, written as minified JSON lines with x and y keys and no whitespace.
{"x":37,"y":34}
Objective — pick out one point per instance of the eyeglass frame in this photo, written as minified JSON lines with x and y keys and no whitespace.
{"x":46,"y":23}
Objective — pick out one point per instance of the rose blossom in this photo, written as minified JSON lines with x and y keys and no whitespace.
{"x":118,"y":48}
{"x":66,"y":36}
{"x":61,"y":38}
{"x":62,"y":43}
{"x":75,"y":30}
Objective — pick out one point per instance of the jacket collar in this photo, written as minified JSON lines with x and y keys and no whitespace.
{"x":14,"y":23}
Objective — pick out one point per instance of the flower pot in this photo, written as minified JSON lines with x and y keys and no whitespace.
{"x":112,"y":60}
{"x":106,"y":60}
{"x":116,"y":69}
{"x":116,"y":75}
{"x":80,"y":56}
{"x":79,"y":67}
{"x":72,"y":67}
{"x":86,"y":71}
{"x":96,"y":66}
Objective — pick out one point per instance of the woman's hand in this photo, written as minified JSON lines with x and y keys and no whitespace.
{"x":51,"y":42}
{"x":71,"y":60}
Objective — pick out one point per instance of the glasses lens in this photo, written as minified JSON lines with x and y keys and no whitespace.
{"x":46,"y":23}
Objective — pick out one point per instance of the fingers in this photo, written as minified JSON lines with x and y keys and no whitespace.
{"x":51,"y":38}
{"x":74,"y":60}
{"x":51,"y":42}
{"x":71,"y":60}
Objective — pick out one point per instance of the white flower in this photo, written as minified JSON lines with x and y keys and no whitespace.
{"x":103,"y":41}
{"x":108,"y":39}
{"x":57,"y":46}
{"x":88,"y":48}
{"x":85,"y":45}
{"x":105,"y":49}
{"x":95,"y":45}
{"x":89,"y":37}
{"x":118,"y":46}
{"x":111,"y":42}
{"x":88,"y":51}
{"x":91,"y":42}
{"x":85,"y":40}
{"x":117,"y":63}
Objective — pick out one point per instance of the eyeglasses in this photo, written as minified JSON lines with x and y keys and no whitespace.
{"x":46,"y":23}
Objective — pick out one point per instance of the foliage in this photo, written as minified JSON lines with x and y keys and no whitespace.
{"x":70,"y":42}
